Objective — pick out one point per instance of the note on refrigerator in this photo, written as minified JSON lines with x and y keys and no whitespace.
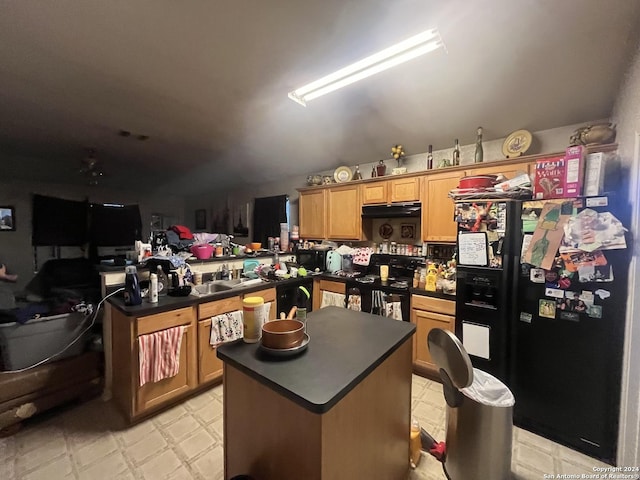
{"x":472,"y":249}
{"x":476,"y":339}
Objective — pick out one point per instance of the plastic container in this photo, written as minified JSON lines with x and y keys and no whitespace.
{"x":24,"y":345}
{"x":284,"y":237}
{"x":252,"y":319}
{"x":132,"y":295}
{"x":203,"y":251}
{"x":153,"y":288}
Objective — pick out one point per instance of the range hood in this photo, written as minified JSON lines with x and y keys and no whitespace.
{"x":392,"y":210}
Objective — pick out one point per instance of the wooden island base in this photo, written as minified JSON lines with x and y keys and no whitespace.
{"x":364,"y":435}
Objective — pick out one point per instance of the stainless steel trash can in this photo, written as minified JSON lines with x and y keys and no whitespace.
{"x":479,"y":414}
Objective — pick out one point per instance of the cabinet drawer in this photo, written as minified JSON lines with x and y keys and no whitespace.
{"x":161,"y":321}
{"x":269,"y":295}
{"x":332,"y":286}
{"x":430,"y":304}
{"x":210,"y":309}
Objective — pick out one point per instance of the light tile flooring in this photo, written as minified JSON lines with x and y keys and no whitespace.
{"x":89,"y":441}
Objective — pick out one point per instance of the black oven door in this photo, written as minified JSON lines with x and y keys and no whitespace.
{"x":381,"y":302}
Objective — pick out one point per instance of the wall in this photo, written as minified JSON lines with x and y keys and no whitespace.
{"x":626,"y":115}
{"x":15,"y":247}
{"x":241,"y":199}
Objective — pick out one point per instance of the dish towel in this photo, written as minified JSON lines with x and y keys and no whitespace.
{"x":362,"y":256}
{"x":354,"y":303}
{"x":159,"y":356}
{"x":394,"y":310}
{"x":226,"y":327}
{"x":378,"y":303}
{"x":332,"y":299}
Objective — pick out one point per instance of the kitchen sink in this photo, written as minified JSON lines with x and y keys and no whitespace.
{"x":215,"y":286}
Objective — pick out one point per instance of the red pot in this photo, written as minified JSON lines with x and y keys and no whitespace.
{"x":477,"y":181}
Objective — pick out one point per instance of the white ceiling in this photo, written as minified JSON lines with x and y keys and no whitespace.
{"x":208,"y":82}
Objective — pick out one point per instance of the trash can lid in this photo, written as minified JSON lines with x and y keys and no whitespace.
{"x":449,"y":354}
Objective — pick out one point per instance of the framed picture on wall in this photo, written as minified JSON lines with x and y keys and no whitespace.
{"x":7,"y":218}
{"x":156,"y":222}
{"x":201,"y":219}
{"x":407,"y":230}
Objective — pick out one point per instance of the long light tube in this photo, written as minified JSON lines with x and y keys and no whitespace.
{"x":404,"y":51}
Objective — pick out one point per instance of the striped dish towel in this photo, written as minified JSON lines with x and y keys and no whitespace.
{"x":159,"y":354}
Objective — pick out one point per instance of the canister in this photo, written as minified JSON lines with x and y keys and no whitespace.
{"x":252,"y":318}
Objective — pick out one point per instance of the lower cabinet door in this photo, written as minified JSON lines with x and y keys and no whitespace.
{"x":425,"y":322}
{"x":154,"y":394}
{"x":210,"y":366}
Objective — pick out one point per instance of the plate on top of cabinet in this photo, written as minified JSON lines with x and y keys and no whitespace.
{"x":517,"y":143}
{"x":342,"y":174}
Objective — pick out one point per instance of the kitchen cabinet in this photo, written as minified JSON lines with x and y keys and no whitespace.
{"x":322,"y":285}
{"x":404,"y":189}
{"x":374,"y":192}
{"x":495,"y":168}
{"x":311,"y":211}
{"x":269,"y":296}
{"x":428,"y":313}
{"x":343,"y":213}
{"x":389,"y":191}
{"x":437,"y":206}
{"x":209,"y":365}
{"x":136,"y":400}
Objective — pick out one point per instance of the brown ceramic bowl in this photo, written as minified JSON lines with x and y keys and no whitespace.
{"x":281,"y":334}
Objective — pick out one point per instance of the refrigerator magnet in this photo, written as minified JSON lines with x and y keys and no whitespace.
{"x":547,"y":308}
{"x":525,"y":317}
{"x":572,"y":316}
{"x":536,"y":275}
{"x":554,"y":292}
{"x":595,"y":311}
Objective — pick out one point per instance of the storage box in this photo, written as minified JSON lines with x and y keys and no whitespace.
{"x":573,"y":171}
{"x":550,"y":176}
{"x":23,"y":345}
{"x":594,"y":174}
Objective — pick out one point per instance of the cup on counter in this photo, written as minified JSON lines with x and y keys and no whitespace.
{"x":384,"y":273}
{"x":197,"y":278}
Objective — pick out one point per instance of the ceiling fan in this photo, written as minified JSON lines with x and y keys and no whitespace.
{"x":91,"y":167}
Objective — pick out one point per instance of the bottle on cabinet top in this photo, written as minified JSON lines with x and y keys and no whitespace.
{"x":456,"y":153}
{"x":430,"y":158}
{"x":479,"y":152}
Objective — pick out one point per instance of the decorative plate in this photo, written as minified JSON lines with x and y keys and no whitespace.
{"x":343,"y":174}
{"x":385,"y":231}
{"x":517,"y":143}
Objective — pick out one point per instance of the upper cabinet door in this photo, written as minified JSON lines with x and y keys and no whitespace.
{"x":494,"y":168}
{"x":405,"y":189}
{"x":375,"y":192}
{"x":437,"y":207}
{"x":344,"y":220}
{"x":311,"y":212}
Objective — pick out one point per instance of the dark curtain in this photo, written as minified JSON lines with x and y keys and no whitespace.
{"x":59,"y":222}
{"x":268,"y":214}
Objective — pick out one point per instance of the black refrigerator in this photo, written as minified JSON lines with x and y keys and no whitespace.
{"x":568,"y":337}
{"x":488,"y":245}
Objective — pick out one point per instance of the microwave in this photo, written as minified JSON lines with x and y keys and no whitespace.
{"x":312,"y":259}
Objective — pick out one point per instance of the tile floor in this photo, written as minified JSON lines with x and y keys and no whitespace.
{"x":89,"y":441}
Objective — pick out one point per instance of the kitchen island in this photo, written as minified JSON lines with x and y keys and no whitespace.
{"x":340,"y":409}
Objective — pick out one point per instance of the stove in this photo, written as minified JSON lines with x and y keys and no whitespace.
{"x":369,"y":286}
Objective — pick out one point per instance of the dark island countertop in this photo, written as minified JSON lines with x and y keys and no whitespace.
{"x":344,"y":347}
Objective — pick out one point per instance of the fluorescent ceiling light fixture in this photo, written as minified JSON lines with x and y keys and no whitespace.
{"x":404,"y":51}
